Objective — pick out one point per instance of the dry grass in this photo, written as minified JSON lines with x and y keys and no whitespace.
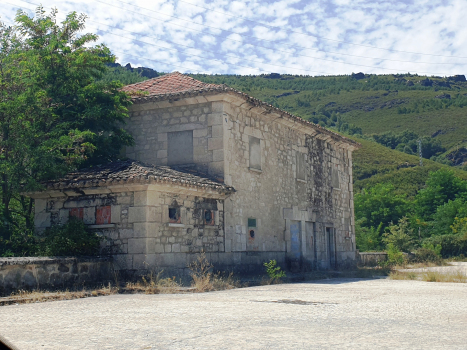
{"x":435,"y":276}
{"x":154,"y":284}
{"x":430,"y":276}
{"x":204,"y":280}
{"x":37,"y":296}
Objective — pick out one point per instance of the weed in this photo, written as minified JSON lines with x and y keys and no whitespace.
{"x":274,"y":272}
{"x":152,"y":283}
{"x":204,"y":280}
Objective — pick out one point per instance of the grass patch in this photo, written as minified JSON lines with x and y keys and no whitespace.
{"x":430,"y":276}
{"x":38,"y":296}
{"x":436,"y":276}
{"x":153,"y":283}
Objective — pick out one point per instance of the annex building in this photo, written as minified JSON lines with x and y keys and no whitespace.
{"x":214,"y":170}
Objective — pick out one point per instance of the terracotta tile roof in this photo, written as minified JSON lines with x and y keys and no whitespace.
{"x":176,"y":86}
{"x":130,"y":171}
{"x":168,"y":84}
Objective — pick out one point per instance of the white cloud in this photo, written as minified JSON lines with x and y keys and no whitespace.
{"x":310,"y":36}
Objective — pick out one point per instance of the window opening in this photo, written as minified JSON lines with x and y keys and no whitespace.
{"x":208,"y":217}
{"x":174,"y":215}
{"x":251,"y":222}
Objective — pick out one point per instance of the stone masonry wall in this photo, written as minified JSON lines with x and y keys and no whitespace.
{"x":150,"y":124}
{"x":57,"y":272}
{"x":277,"y":198}
{"x":140,"y":235}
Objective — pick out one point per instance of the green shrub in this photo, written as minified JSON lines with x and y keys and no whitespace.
{"x":395,"y":256}
{"x":400,"y":236}
{"x":274,"y":272}
{"x":426,"y":255}
{"x":451,"y":244}
{"x":71,"y":239}
{"x":367,"y":239}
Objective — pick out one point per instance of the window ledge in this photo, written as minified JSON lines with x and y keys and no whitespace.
{"x":176,"y":225}
{"x":335,"y":188}
{"x":301,"y":180}
{"x":255,"y":170}
{"x":102,"y":226}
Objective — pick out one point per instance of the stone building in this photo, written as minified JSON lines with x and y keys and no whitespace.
{"x":214,"y":170}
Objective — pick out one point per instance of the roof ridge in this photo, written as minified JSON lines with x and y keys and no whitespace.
{"x":186,"y":77}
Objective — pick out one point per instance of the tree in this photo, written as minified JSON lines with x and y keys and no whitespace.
{"x":441,"y":187}
{"x":54,"y":113}
{"x":400,"y":236}
{"x":379,"y":205}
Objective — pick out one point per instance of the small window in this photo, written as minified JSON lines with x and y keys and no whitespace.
{"x":174,"y":215}
{"x":77,"y":213}
{"x":301,"y":166}
{"x":255,"y":153}
{"x":251,"y":222}
{"x":103,"y":215}
{"x":252,"y":233}
{"x":209,"y":217}
{"x":180,"y":147}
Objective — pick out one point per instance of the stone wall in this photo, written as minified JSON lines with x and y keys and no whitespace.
{"x":151,"y":122}
{"x":139,"y":233}
{"x":319,"y":203}
{"x":49,"y":273}
{"x":371,"y":258}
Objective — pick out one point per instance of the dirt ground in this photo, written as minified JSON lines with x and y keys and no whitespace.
{"x":336,"y":313}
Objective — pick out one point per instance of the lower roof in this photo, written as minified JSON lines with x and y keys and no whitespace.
{"x":134,"y":172}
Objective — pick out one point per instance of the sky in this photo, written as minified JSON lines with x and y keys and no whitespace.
{"x":303,"y":37}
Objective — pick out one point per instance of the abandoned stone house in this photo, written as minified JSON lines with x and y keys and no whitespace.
{"x":214,"y":170}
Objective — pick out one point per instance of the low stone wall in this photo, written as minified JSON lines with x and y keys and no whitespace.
{"x":52,"y":272}
{"x":372,"y":258}
{"x":176,"y":264}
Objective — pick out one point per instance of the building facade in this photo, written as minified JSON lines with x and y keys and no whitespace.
{"x":215,"y":170}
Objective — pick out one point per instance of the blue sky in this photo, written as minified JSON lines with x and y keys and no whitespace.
{"x":427,"y":37}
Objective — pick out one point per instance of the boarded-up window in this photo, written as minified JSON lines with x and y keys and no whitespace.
{"x":255,"y":153}
{"x":335,"y":178}
{"x":103,"y":215}
{"x":77,"y":213}
{"x":301,"y":166}
{"x":180,"y":147}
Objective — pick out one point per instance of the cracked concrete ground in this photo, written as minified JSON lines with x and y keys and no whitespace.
{"x":337,"y":313}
